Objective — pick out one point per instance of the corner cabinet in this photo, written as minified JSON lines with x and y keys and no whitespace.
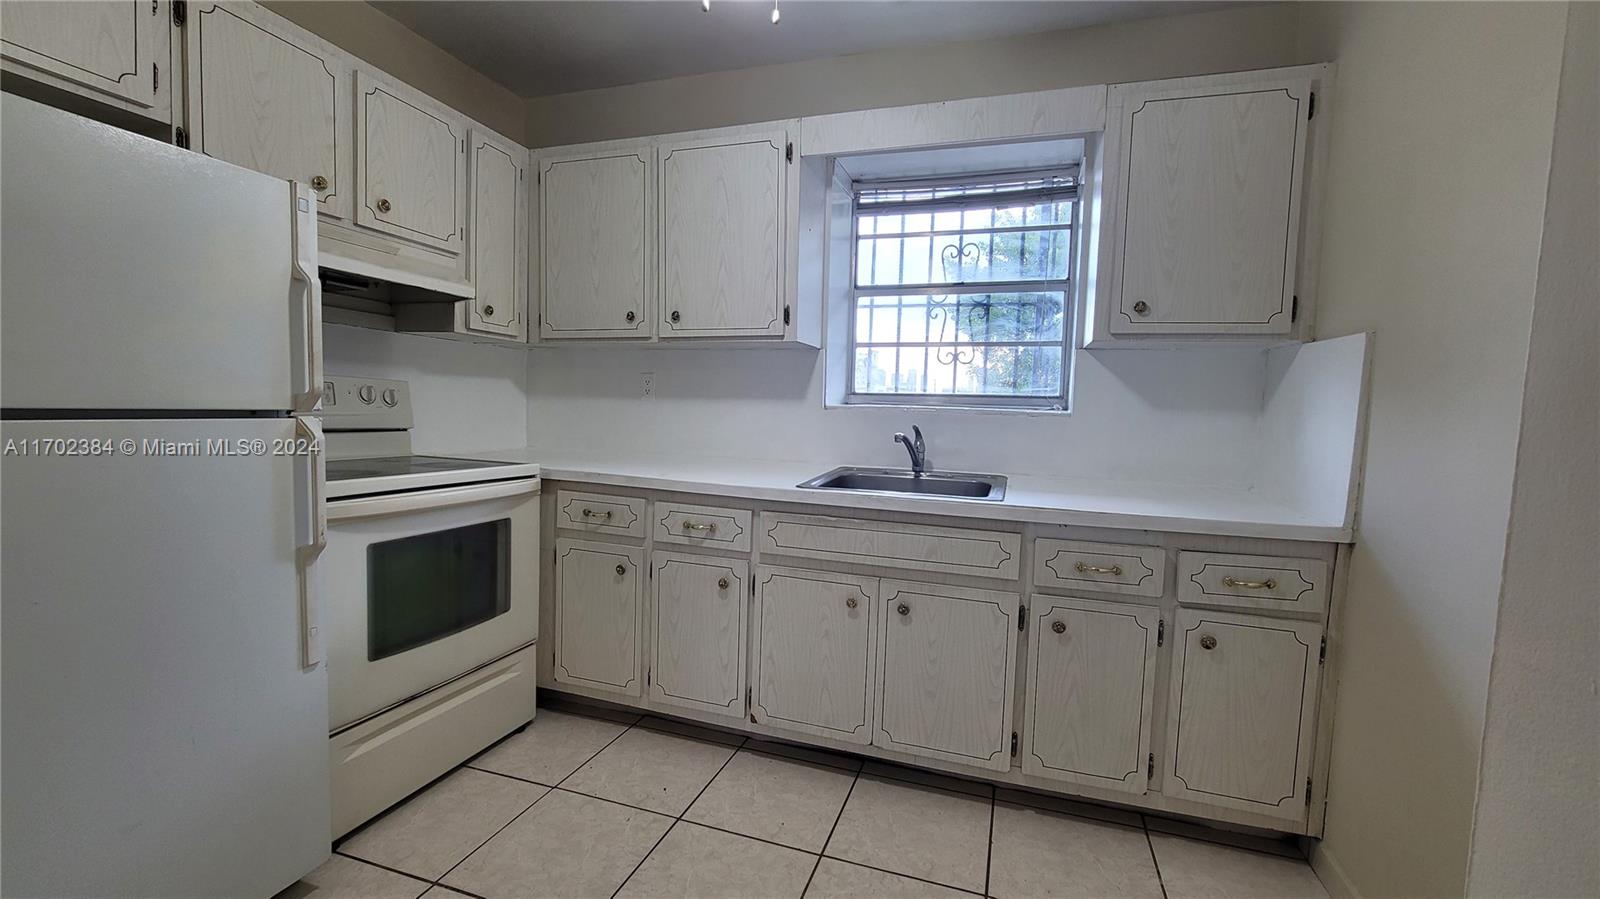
{"x":411,"y":165}
{"x":1204,"y":202}
{"x":117,"y":53}
{"x":271,"y":99}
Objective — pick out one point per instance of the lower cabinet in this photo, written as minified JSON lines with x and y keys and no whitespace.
{"x":815,"y":652}
{"x":1240,"y":718}
{"x":597,"y":615}
{"x":699,"y":609}
{"x":1091,"y":686}
{"x":946,"y":670}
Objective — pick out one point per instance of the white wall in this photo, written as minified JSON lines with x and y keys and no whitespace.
{"x":1441,"y":130}
{"x":1539,"y":783}
{"x":464,"y":396}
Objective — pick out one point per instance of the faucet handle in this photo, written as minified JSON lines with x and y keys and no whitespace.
{"x":917,"y":431}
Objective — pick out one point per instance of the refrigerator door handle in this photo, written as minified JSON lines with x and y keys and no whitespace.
{"x":307,"y":312}
{"x":311,"y":536}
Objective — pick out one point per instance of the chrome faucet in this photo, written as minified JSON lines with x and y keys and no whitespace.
{"x":918,"y":450}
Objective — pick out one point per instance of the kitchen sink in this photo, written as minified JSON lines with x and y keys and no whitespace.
{"x":898,"y":481}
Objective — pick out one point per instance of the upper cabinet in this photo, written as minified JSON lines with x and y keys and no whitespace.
{"x":687,"y":235}
{"x":724,"y":224}
{"x":411,"y":165}
{"x":270,"y":98}
{"x":113,"y":52}
{"x":1204,"y":193}
{"x":595,"y":256}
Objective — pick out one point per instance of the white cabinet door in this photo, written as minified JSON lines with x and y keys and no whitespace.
{"x":1240,"y":716}
{"x":946,"y":670}
{"x":499,"y":236}
{"x":116,"y":50}
{"x":595,"y":261}
{"x":700,"y":626}
{"x":725,"y":233}
{"x":815,"y":653}
{"x":267,"y":95}
{"x":598,"y":589}
{"x":1091,"y":689}
{"x":411,"y":165}
{"x":1205,"y":192}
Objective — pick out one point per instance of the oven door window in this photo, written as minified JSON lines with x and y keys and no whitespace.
{"x":426,"y":587}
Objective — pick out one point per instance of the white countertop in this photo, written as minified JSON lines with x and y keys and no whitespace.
{"x":1084,"y":502}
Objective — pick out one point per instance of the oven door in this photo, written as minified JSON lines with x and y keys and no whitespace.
{"x":422,"y":587}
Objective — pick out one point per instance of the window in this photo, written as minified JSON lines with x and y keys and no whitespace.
{"x":962,"y":290}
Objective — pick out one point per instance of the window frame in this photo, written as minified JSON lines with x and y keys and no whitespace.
{"x":1067,"y":287}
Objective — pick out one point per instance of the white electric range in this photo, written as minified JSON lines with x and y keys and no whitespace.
{"x":432,"y":600}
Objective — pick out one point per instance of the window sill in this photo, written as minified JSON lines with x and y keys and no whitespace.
{"x":939,"y":409}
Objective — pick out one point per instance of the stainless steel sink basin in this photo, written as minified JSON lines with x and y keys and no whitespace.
{"x":899,"y":482}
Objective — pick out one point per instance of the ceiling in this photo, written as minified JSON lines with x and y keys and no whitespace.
{"x":556,"y":46}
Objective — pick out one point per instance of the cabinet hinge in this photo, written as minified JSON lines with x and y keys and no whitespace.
{"x":1150,"y":765}
{"x":1311,"y":107}
{"x":1294,"y":308}
{"x":1161,"y":631}
{"x":1308,"y":791}
{"x":788,"y":152}
{"x":1322,"y":652}
{"x":749,"y":696}
{"x":647,"y":673}
{"x":180,"y":137}
{"x":786,"y":315}
{"x":155,"y":7}
{"x":1022,"y":618}
{"x":155,"y":74}
{"x":180,"y":12}
{"x":1013,"y":744}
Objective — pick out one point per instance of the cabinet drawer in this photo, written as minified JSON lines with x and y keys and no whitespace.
{"x":620,"y":515}
{"x":702,"y":526}
{"x":1252,"y":582}
{"x":1104,"y":567}
{"x":914,"y":546}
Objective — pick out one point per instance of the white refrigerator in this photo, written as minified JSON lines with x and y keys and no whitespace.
{"x":163,"y":697}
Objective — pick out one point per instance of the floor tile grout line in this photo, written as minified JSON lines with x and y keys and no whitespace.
{"x":818,"y":863}
{"x":988,"y":856}
{"x":935,"y":883}
{"x":1161,"y":882}
{"x":679,"y":819}
{"x":357,"y":858}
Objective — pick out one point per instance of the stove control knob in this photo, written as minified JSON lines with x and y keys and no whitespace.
{"x":367,"y":393}
{"x":391,"y":397}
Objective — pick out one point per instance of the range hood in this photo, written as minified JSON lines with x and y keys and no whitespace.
{"x":363,"y":263}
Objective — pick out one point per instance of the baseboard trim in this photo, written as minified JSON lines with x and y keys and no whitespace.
{"x":1331,"y":873}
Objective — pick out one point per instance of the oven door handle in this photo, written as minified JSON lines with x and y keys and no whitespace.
{"x":421,"y":500}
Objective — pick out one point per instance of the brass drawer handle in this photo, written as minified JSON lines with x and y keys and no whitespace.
{"x":700,"y":526}
{"x":1208,"y":642}
{"x":1059,"y":627}
{"x":384,"y":206}
{"x":1231,"y":581}
{"x":621,"y":569}
{"x":603,"y":516}
{"x":319,"y":183}
{"x":849,"y":602}
{"x":722,"y":583}
{"x":1084,"y":568}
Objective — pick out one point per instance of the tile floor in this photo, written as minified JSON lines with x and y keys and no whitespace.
{"x":607,"y":806}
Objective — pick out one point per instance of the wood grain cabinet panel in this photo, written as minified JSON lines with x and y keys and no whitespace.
{"x":915,"y":546}
{"x":946,"y":670}
{"x":268,"y":96}
{"x":1206,"y":192}
{"x":724,"y":233}
{"x":602,"y":513}
{"x":1103,"y":567}
{"x":597,"y":615}
{"x":1241,"y":712}
{"x":814,"y":655}
{"x":109,"y":50}
{"x":498,"y":237}
{"x":411,"y":165}
{"x":595,"y":261}
{"x":707,"y":526}
{"x":700,"y":627}
{"x":1253,"y":582}
{"x":1091,"y":692}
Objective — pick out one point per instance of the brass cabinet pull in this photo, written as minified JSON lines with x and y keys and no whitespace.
{"x":590,"y":513}
{"x":722,"y":583}
{"x":1231,"y":581}
{"x":488,"y":310}
{"x":1141,"y":307}
{"x":674,"y":316}
{"x":621,"y":569}
{"x":1059,"y":627}
{"x":319,"y":183}
{"x":1208,"y":642}
{"x":849,"y":602}
{"x":903,"y":609}
{"x":1085,"y":568}
{"x":699,"y":525}
{"x":384,"y":206}
{"x":630,"y":316}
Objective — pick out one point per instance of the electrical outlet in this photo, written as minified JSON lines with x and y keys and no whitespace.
{"x":647,"y":385}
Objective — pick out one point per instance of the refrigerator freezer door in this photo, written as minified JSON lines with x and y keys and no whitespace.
{"x":139,"y":276}
{"x":162,"y":737}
